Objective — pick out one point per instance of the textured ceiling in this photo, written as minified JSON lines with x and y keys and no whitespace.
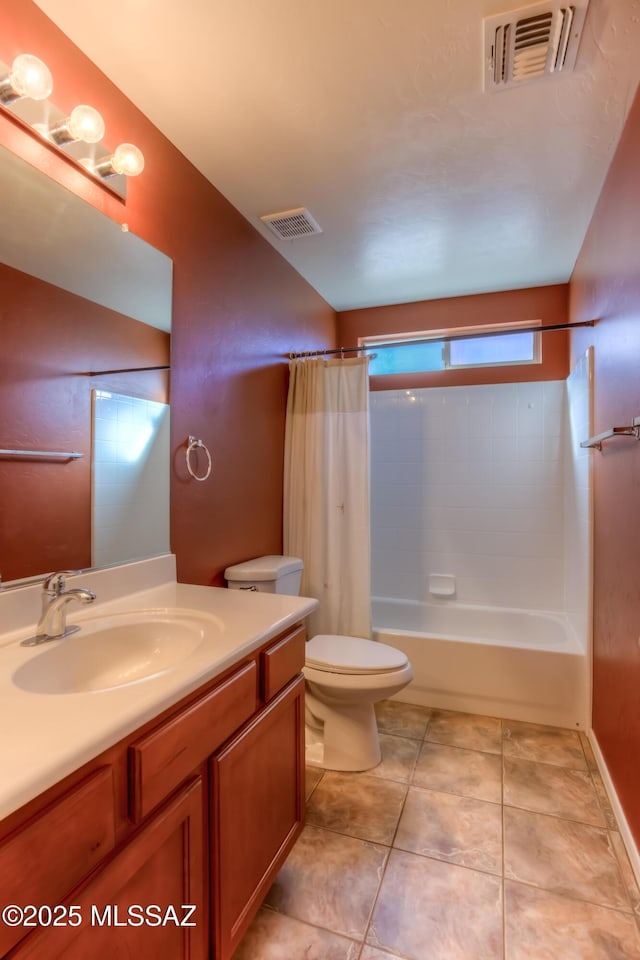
{"x":371,"y":114}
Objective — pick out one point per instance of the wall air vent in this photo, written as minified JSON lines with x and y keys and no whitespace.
{"x":291,"y":224}
{"x":531,"y":43}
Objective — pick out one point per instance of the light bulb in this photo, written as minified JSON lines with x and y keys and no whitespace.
{"x":86,"y":124}
{"x":30,"y":77}
{"x":128,"y":159}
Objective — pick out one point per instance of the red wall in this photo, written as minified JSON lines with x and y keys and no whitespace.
{"x":606,"y":284}
{"x":238,"y":308}
{"x":548,"y":304}
{"x":49,"y":339}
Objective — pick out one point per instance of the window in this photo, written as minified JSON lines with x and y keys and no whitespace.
{"x":453,"y":349}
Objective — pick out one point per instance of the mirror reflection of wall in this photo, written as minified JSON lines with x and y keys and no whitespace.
{"x":130,"y":477}
{"x":50,"y":233}
{"x":52,"y":337}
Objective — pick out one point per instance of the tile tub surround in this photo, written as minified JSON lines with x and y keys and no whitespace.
{"x":469,"y":481}
{"x":578,"y":502}
{"x":474,"y":838}
{"x":487,"y":483}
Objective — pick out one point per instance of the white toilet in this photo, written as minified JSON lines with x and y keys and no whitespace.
{"x":345,"y":676}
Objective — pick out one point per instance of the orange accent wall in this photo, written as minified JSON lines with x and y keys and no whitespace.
{"x":606,"y":284}
{"x":238,"y":308}
{"x":49,"y":339}
{"x":549,"y":304}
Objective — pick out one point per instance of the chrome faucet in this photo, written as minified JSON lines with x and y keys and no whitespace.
{"x":52,"y":624}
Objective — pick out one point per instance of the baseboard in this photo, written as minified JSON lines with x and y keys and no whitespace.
{"x":618,"y":812}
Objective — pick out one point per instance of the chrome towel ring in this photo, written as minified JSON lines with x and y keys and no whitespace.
{"x":194,"y":444}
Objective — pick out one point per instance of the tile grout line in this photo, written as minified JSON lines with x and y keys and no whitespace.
{"x":600,"y":796}
{"x":571,"y":897}
{"x":574,"y":896}
{"x":388,"y":857}
{"x":350,"y":836}
{"x":360,"y":944}
{"x":607,"y":814}
{"x":551,"y":813}
{"x":375,"y":900}
{"x":314,"y":788}
{"x":314,"y":926}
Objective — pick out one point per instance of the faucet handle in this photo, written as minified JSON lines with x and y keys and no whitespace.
{"x":53,"y":586}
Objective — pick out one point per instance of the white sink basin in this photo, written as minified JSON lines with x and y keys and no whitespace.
{"x":118,"y":649}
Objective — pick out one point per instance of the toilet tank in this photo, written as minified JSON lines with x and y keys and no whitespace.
{"x":270,"y":574}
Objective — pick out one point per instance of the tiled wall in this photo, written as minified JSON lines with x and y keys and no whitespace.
{"x":130,"y":478}
{"x":469,"y":481}
{"x":578,"y":511}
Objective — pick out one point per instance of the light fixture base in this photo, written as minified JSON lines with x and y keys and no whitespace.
{"x":7,"y":93}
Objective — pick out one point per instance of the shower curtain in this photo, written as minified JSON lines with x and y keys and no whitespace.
{"x":326,"y":490}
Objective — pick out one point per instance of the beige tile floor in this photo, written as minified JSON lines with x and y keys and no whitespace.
{"x":474,"y":839}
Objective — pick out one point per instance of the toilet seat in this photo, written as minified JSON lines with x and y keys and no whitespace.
{"x":332,"y":653}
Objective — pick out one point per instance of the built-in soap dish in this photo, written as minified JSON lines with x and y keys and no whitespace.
{"x":442,"y":585}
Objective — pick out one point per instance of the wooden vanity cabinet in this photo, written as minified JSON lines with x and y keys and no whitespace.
{"x":74,"y":832}
{"x":200,"y":806}
{"x":162,"y":865}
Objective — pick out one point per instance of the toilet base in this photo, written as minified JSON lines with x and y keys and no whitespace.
{"x":340,"y":715}
{"x":345,"y":740}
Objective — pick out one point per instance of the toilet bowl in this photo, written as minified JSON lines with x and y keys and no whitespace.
{"x":345,"y":676}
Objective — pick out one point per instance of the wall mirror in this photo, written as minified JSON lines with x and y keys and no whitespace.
{"x":79,"y":299}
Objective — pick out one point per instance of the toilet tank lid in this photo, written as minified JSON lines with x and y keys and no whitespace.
{"x":263,"y":568}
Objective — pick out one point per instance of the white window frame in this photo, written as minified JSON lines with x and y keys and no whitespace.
{"x":425,"y":336}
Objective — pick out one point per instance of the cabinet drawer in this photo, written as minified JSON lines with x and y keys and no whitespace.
{"x":162,"y":759}
{"x":281,"y":662}
{"x":53,"y":852}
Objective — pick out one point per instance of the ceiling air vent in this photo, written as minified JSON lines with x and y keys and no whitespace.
{"x":291,"y":224}
{"x":532,"y":42}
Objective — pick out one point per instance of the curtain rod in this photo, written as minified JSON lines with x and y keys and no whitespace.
{"x":99,"y":373}
{"x":444,"y":339}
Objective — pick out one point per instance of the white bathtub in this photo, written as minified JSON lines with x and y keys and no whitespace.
{"x":517,"y":664}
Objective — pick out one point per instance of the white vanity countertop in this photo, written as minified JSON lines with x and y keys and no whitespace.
{"x":47,"y":736}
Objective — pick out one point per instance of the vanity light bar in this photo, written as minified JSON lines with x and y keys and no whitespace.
{"x":24,"y":91}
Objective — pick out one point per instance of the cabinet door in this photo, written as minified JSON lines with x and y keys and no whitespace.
{"x":58,"y":848}
{"x":257,"y":810}
{"x":162,"y":865}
